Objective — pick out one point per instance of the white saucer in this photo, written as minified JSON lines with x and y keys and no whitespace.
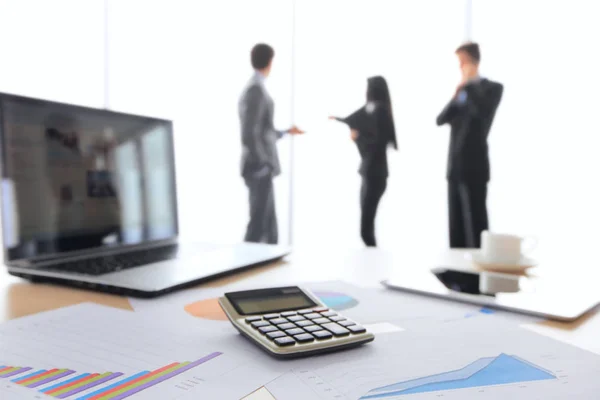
{"x":519,"y":267}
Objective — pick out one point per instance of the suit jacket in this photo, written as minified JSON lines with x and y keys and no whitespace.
{"x":375,"y":128}
{"x":470,"y":119}
{"x":259,"y":136}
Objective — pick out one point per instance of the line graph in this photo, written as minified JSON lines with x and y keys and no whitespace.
{"x":489,"y":371}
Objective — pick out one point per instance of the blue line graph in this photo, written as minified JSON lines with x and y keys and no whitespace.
{"x":489,"y":371}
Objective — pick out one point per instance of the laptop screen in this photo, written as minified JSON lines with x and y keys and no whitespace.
{"x":76,"y":178}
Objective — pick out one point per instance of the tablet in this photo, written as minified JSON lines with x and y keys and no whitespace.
{"x":553,"y":299}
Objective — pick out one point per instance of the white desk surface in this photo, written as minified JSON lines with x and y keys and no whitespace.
{"x":362,"y":266}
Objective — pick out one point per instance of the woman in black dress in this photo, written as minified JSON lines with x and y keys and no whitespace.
{"x":372,"y":129}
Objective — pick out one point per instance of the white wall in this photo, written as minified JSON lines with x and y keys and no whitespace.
{"x":53,"y":49}
{"x":411,"y":44}
{"x":188,"y":60}
{"x":545,"y":139}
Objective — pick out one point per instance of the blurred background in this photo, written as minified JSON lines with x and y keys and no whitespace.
{"x":189,"y":61}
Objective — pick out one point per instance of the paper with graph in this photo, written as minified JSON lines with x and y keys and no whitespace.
{"x":90,"y":352}
{"x":200,"y":307}
{"x":477,"y":359}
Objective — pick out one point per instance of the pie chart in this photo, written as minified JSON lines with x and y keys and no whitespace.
{"x":206,"y":309}
{"x":211,"y":310}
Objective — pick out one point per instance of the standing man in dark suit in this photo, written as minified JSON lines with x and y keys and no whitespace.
{"x":260,"y":162}
{"x":470,"y":114}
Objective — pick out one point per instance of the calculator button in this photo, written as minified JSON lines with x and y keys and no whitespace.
{"x":312,"y":328}
{"x":287,"y":325}
{"x":321,"y":309}
{"x":328,"y":314}
{"x":278,"y":321}
{"x":305,"y":312}
{"x":267,"y":329}
{"x":304,"y":323}
{"x":304,"y":338}
{"x":288,"y":313}
{"x":252,"y":319}
{"x":338,"y":318}
{"x":322,"y":335}
{"x":296,"y":318}
{"x":336,"y":329}
{"x":321,"y":321}
{"x":285,"y":341}
{"x":275,"y":334}
{"x":357,"y":329}
{"x":346,"y":323}
{"x":258,"y":324}
{"x":271,"y":316}
{"x":295,"y":331}
{"x":313,"y":316}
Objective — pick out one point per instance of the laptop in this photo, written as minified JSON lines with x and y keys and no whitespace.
{"x":89,"y":199}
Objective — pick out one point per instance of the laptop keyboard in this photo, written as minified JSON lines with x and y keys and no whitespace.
{"x":118,"y":262}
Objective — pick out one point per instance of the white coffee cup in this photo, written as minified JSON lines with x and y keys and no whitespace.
{"x":503,"y":248}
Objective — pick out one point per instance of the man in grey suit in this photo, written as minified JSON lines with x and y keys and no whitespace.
{"x":260,"y":162}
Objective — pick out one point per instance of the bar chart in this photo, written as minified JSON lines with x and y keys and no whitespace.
{"x":90,"y":352}
{"x":80,"y":382}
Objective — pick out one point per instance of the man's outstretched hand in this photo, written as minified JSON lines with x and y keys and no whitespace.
{"x":294,"y":130}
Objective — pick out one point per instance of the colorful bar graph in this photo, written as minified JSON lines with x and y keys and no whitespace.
{"x":133,"y":382}
{"x":119,"y":394}
{"x":77,"y":378}
{"x":93,"y":383}
{"x":158,"y":379}
{"x":65,"y":388}
{"x":35,"y":378}
{"x":9,"y":370}
{"x":50,"y":374}
{"x":57,"y":382}
{"x":17,"y":372}
{"x":114,"y":385}
{"x":29,"y":376}
{"x":43,"y":381}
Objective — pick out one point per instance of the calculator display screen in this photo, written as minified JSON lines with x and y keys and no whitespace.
{"x":270,"y":300}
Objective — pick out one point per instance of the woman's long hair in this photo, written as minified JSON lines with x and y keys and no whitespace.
{"x":378,"y":92}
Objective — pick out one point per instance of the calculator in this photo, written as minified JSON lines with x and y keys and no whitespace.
{"x":289,"y":322}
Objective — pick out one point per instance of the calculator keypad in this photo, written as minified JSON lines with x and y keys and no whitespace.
{"x":295,"y":331}
{"x":267,"y":329}
{"x":304,"y":338}
{"x":288,"y":313}
{"x":312,"y":328}
{"x":336,"y":329}
{"x":276,"y":334}
{"x":285,"y":326}
{"x":322,"y":335}
{"x":258,"y":324}
{"x":313,"y":315}
{"x":357,"y":329}
{"x":305,"y":326}
{"x":285,"y":341}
